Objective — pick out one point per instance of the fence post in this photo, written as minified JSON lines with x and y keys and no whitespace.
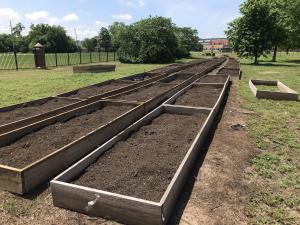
{"x":68,"y":59}
{"x":16,"y":60}
{"x":80,"y":56}
{"x":90,"y":56}
{"x":99,"y":55}
{"x":55,"y":59}
{"x":107,"y":56}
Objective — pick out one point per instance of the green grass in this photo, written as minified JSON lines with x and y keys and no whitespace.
{"x":267,"y":88}
{"x":276,"y":130}
{"x":25,"y":85}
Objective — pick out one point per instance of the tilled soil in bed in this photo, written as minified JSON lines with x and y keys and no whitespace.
{"x":32,"y":110}
{"x":235,"y":72}
{"x":144,"y":164}
{"x":91,"y":91}
{"x":213,"y":79}
{"x":147,"y":93}
{"x":202,"y":96}
{"x":38,"y":144}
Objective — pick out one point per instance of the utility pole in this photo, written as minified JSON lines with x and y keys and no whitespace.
{"x":14,"y":46}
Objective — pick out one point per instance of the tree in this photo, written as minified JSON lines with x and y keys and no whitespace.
{"x":17,"y":29}
{"x":149,"y":40}
{"x":115,"y":31}
{"x":187,"y":39}
{"x":251,"y":34}
{"x":89,"y":43}
{"x":54,"y":38}
{"x":6,"y":43}
{"x":104,"y":38}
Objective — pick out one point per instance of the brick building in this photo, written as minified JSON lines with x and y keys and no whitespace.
{"x":218,"y":44}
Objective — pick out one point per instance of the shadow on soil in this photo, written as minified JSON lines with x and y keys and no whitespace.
{"x":188,"y":188}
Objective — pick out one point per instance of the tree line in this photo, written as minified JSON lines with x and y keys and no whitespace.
{"x":265,"y":26}
{"x":151,"y":40}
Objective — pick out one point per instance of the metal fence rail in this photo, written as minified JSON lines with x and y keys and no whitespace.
{"x":14,"y":61}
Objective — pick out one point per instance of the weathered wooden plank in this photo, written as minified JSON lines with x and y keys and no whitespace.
{"x":108,"y":205}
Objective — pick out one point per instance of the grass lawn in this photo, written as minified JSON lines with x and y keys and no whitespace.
{"x":276,"y":130}
{"x":25,"y":85}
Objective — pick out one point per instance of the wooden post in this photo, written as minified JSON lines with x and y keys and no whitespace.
{"x":55,"y":59}
{"x":107,"y":56}
{"x":90,"y":56}
{"x":68,"y":59}
{"x":80,"y":56}
{"x":16,"y":60}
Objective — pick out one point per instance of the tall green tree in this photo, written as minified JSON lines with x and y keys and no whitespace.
{"x":17,"y":29}
{"x":54,"y":38}
{"x":187,"y":39}
{"x":116,"y":30}
{"x":251,"y":34}
{"x":104,"y":38}
{"x":89,"y":43}
{"x":149,"y":40}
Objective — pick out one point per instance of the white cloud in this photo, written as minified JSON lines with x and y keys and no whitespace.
{"x":142,"y":3}
{"x":122,"y":17}
{"x":53,"y":21}
{"x":70,"y":17}
{"x":9,"y":14}
{"x":101,"y":24}
{"x":38,"y":15}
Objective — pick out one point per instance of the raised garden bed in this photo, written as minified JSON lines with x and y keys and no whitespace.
{"x":276,"y":90}
{"x":94,"y":68}
{"x":214,"y":79}
{"x":90,"y":91}
{"x":235,"y":72}
{"x":16,"y":116}
{"x":200,"y":96}
{"x":41,"y":154}
{"x":144,"y":94}
{"x":175,"y":79}
{"x":143,"y":192}
{"x":28,"y":110}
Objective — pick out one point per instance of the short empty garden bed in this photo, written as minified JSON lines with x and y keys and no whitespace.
{"x":200,"y":96}
{"x":233,"y":72}
{"x":28,"y":110}
{"x":135,"y":177}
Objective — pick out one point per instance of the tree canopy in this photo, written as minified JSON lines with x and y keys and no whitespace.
{"x":54,"y":38}
{"x":265,"y":25}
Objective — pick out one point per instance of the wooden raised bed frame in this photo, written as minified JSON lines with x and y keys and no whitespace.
{"x":81,"y":102}
{"x":99,"y":68}
{"x":25,"y":179}
{"x":127,"y":209}
{"x":284,"y":93}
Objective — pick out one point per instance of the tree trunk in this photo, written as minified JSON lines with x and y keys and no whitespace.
{"x":275,"y":54}
{"x":255,"y":59}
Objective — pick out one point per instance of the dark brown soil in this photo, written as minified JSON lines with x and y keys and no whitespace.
{"x":32,"y":110}
{"x":36,"y":145}
{"x":143,"y":165}
{"x":145,"y":94}
{"x":230,"y":72}
{"x":203,"y":66}
{"x":206,"y":96}
{"x":213,"y":79}
{"x":91,"y":91}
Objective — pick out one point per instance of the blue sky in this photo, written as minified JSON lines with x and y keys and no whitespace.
{"x":209,"y":17}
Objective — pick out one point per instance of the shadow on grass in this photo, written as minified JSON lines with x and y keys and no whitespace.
{"x":297,"y":61}
{"x":188,"y":188}
{"x":269,"y":64}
